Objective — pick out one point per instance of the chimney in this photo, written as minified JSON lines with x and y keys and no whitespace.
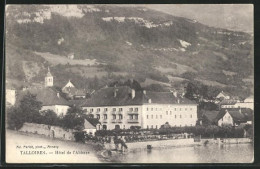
{"x":133,"y":93}
{"x":115,"y":92}
{"x":178,"y":101}
{"x":150,"y":101}
{"x":144,"y":92}
{"x":58,"y":95}
{"x":174,"y":93}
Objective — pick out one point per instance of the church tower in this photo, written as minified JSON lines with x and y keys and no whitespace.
{"x":49,"y":79}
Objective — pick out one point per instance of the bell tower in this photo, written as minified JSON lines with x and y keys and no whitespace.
{"x":48,"y":79}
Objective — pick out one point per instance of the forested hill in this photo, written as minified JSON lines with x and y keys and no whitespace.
{"x":115,"y":42}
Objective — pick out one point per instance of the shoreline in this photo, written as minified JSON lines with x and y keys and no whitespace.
{"x":101,"y":150}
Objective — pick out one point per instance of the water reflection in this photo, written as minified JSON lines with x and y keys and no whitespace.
{"x":232,"y":153}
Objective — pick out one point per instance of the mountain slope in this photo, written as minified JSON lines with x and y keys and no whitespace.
{"x":126,"y":42}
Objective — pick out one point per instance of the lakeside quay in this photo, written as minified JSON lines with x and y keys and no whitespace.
{"x":134,"y":146}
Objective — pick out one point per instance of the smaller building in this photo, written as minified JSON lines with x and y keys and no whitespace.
{"x":91,"y":126}
{"x":50,"y":99}
{"x":10,"y":97}
{"x":72,"y":92}
{"x":234,"y":117}
{"x":223,"y":95}
{"x":228,"y":103}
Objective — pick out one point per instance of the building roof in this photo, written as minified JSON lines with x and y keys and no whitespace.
{"x":88,"y":125}
{"x":91,"y":123}
{"x":75,"y":92}
{"x":210,"y":115}
{"x":49,"y":73}
{"x":238,"y":114}
{"x":105,"y":97}
{"x":224,"y":93}
{"x":228,"y":102}
{"x":48,"y":96}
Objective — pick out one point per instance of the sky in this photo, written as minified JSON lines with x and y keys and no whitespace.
{"x":237,"y":17}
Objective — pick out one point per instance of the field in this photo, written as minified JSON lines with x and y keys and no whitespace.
{"x":63,"y":60}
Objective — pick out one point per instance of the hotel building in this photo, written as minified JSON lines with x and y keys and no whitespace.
{"x":123,"y":107}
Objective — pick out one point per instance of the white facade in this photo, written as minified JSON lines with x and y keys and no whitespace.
{"x":221,"y":94}
{"x":69,"y":84}
{"x":178,"y":115}
{"x":145,"y":116}
{"x":60,"y":110}
{"x":225,"y":120}
{"x":10,"y":96}
{"x":48,"y":81}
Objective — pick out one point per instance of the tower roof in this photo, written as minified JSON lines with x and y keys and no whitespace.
{"x":49,"y":73}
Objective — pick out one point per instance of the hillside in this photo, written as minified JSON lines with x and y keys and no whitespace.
{"x":123,"y":42}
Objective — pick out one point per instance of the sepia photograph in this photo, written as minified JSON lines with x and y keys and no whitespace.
{"x":129,"y":83}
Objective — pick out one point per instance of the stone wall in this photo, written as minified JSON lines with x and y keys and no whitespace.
{"x":49,"y":131}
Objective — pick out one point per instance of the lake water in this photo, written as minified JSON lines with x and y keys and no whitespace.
{"x":229,"y":153}
{"x":232,"y":153}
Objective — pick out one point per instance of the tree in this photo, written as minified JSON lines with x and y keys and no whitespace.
{"x":15,"y":118}
{"x":190,"y":91}
{"x":49,"y":117}
{"x":74,"y":118}
{"x":136,"y":85}
{"x":30,"y":108}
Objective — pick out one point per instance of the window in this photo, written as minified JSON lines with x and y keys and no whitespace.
{"x":180,"y":109}
{"x":105,"y":109}
{"x":170,"y":112}
{"x":151,"y":116}
{"x":147,"y":109}
{"x":136,"y":109}
{"x":120,"y":109}
{"x":156,"y":116}
{"x":166,"y":112}
{"x":105,"y":116}
{"x":131,"y":109}
{"x":191,"y":116}
{"x":147,"y":127}
{"x":156,"y":109}
{"x":156,"y":126}
{"x":180,"y":116}
{"x":175,"y":109}
{"x":175,"y":116}
{"x":114,"y":116}
{"x":161,"y":116}
{"x":120,"y":116}
{"x":98,"y":110}
{"x":98,"y":116}
{"x":136,"y":117}
{"x":151,"y":126}
{"x":151,"y":109}
{"x":114,"y":109}
{"x":185,"y":109}
{"x":147,"y":116}
{"x":190,"y":108}
{"x":91,"y":110}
